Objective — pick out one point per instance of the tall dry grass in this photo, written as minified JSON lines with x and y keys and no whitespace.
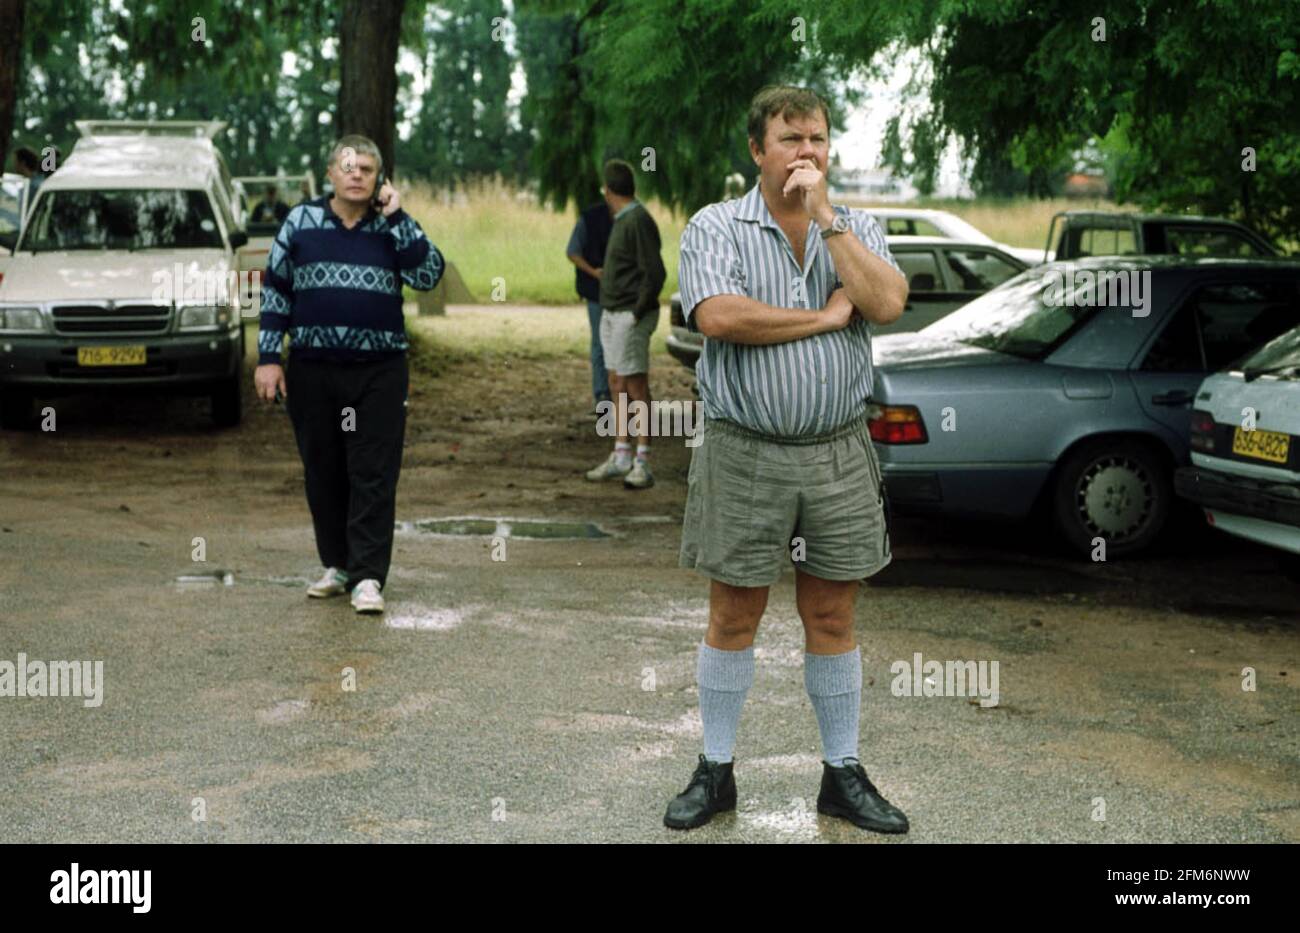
{"x":495,"y":232}
{"x":500,"y":238}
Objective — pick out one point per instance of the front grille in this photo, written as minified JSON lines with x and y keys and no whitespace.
{"x":71,"y":371}
{"x":126,"y":319}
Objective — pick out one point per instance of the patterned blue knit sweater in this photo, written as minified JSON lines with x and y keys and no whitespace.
{"x":338,"y":292}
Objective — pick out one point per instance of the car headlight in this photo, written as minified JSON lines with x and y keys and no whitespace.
{"x":204,"y":318}
{"x":25,"y":319}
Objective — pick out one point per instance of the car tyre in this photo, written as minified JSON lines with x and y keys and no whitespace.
{"x":1117,"y":489}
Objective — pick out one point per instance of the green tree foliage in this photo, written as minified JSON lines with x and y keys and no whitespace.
{"x":1175,"y":92}
{"x":676,"y":77}
{"x":464,"y":128}
{"x":198,"y":59}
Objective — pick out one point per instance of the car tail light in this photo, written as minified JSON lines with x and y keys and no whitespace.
{"x":896,"y":424}
{"x":1202,"y":438}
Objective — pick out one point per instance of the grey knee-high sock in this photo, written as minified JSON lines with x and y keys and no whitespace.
{"x":724,"y":678}
{"x":834,"y":684}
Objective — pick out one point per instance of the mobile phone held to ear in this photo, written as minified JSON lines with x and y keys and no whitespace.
{"x":379,"y":184}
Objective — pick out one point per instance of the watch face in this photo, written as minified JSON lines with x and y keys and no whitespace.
{"x":840,"y":224}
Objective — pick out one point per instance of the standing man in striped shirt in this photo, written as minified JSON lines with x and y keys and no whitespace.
{"x":333,"y":283}
{"x":785,"y":287}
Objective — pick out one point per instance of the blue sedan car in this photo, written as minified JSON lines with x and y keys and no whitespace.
{"x":1070,"y":386}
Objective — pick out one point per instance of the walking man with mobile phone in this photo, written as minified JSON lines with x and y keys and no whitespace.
{"x":333,"y":284}
{"x":785,"y":287}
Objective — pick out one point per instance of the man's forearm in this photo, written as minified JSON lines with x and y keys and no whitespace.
{"x":873,"y":285}
{"x":738,"y":319}
{"x":582,"y":264}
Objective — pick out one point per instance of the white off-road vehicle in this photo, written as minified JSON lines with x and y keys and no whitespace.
{"x":1245,"y":445}
{"x":124,"y":274}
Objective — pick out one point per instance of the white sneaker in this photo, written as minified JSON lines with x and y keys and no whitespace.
{"x":609,"y":469}
{"x":640,"y":477}
{"x":334,"y":583}
{"x":366,"y":598}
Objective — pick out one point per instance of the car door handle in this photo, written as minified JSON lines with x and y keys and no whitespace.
{"x":1176,"y":397}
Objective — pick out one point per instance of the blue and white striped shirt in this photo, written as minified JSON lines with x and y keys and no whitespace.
{"x":803,"y":387}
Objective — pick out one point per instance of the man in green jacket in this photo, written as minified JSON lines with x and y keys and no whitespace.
{"x":630,"y":282}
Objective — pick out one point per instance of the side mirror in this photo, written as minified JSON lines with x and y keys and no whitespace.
{"x":238,"y":238}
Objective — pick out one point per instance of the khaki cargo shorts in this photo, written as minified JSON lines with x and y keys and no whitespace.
{"x":625,"y":340}
{"x":756,"y":503}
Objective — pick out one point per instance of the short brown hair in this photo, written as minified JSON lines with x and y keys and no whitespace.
{"x":360,"y":145}
{"x":784,"y":100}
{"x":619,"y":178}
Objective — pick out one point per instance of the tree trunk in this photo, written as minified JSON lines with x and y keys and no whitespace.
{"x":368,"y":35}
{"x":11,"y":50}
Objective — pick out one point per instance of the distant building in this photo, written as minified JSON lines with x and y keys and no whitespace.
{"x":874,"y":184}
{"x":1086,"y":185}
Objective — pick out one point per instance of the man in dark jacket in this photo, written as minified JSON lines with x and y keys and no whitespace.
{"x":586,"y":251}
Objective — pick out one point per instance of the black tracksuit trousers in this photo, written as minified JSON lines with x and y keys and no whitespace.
{"x":350,"y":423}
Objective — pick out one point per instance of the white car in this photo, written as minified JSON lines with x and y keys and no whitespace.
{"x":14,"y":192}
{"x":1245,"y":444}
{"x":121,"y":278}
{"x":907,"y":221}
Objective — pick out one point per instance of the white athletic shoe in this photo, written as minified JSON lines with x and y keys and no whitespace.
{"x":334,"y":583}
{"x":609,"y":469}
{"x":640,"y":476}
{"x":366,"y":598}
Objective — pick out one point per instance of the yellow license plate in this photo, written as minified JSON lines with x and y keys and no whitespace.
{"x":110,"y":356}
{"x":1261,"y":445}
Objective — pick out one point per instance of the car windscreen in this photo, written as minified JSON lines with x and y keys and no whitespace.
{"x":1279,"y":357}
{"x":1015,"y":318}
{"x":125,"y":218}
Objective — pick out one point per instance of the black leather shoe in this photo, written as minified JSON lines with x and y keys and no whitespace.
{"x":847,"y":792}
{"x":712,"y":790}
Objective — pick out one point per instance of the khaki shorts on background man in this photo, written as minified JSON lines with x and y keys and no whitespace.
{"x":749,"y":495}
{"x":625,"y":340}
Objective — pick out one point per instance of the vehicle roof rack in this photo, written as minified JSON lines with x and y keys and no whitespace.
{"x":189,"y":129}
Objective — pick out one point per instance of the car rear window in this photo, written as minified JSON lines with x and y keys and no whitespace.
{"x":1279,"y":357}
{"x":126,"y":218}
{"x":1222,"y":323}
{"x":1014,"y":318}
{"x":1209,"y":241}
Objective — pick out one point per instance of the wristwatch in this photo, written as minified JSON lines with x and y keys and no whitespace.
{"x":839,"y":225}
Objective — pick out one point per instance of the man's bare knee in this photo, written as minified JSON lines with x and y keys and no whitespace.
{"x":734,"y":614}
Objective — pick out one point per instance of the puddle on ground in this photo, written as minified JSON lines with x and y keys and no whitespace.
{"x":505,"y":527}
{"x":294,"y":582}
{"x":421,"y":619}
{"x":795,"y":820}
{"x":202,"y":580}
